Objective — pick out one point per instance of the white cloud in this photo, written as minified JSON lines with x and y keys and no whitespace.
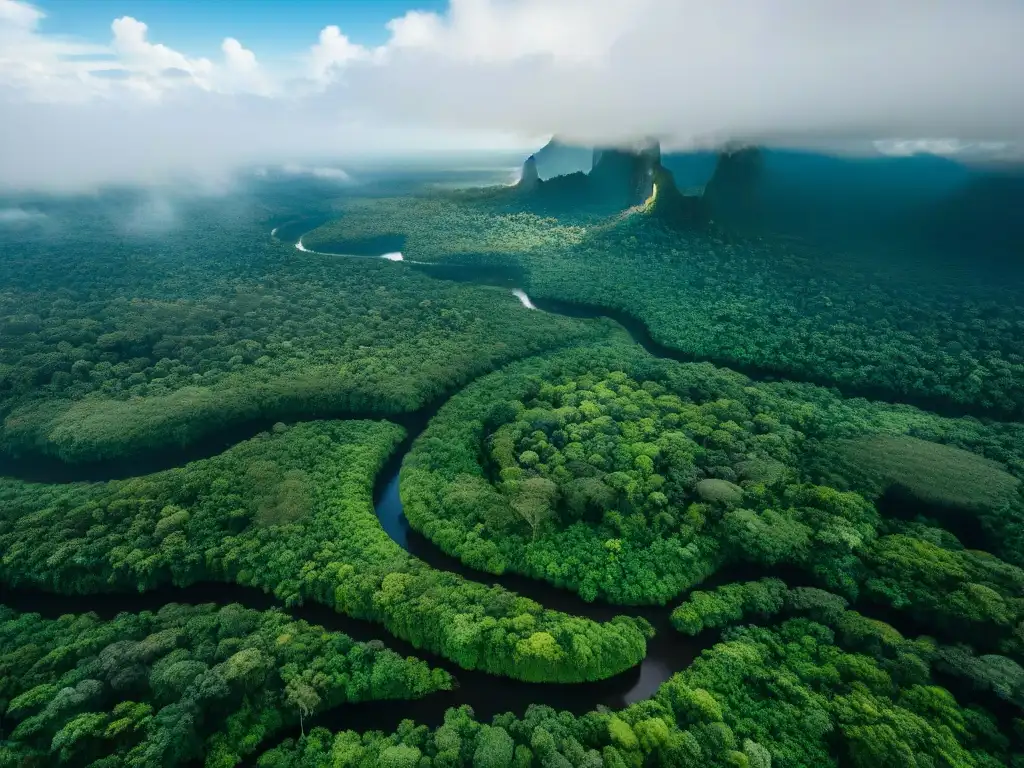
{"x":331,"y":52}
{"x":317,"y":172}
{"x":241,"y":72}
{"x":238,"y":58}
{"x":42,"y":67}
{"x":694,"y":69}
{"x":140,"y":55}
{"x":844,"y":72}
{"x":570,"y":31}
{"x":19,"y":15}
{"x":946,"y":147}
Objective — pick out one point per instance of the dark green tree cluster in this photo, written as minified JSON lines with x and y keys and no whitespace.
{"x":185,"y":683}
{"x":870,"y":320}
{"x":465,"y":227}
{"x":960,"y":594}
{"x":605,"y":484}
{"x":115,"y":344}
{"x":920,"y":576}
{"x":785,"y":696}
{"x":875,"y":326}
{"x":769,"y":598}
{"x":631,"y":479}
{"x":730,"y":604}
{"x":290,"y":512}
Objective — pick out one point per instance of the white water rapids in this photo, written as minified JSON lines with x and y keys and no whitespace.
{"x":523,"y":298}
{"x":397,"y":256}
{"x":393,"y":256}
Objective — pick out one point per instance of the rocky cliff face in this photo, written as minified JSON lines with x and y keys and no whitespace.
{"x":529,"y":178}
{"x":732,"y":189}
{"x":674,"y":208}
{"x":558,"y":158}
{"x":626,"y":175}
{"x":621,"y":177}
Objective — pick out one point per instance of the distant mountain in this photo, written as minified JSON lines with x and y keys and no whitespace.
{"x":558,"y":159}
{"x":734,"y":190}
{"x":674,"y":208}
{"x":851,"y":194}
{"x":918,"y":200}
{"x":529,"y":179}
{"x":625,"y":176}
{"x":982,"y":220}
{"x":839,"y":198}
{"x":620,"y":178}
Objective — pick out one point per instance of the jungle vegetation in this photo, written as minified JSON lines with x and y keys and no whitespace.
{"x":853,"y":568}
{"x":631,"y":479}
{"x":797,"y":694}
{"x":291,"y":512}
{"x":888,"y":324}
{"x":116,"y":344}
{"x":182,"y":684}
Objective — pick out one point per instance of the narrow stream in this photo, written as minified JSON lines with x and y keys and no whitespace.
{"x":488,"y":695}
{"x":668,"y":651}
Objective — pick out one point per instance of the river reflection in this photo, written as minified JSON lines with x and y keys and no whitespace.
{"x":667,"y":652}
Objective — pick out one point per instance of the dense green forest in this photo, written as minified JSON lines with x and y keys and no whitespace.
{"x":290,"y":512}
{"x":846,"y":574}
{"x":892,"y":325}
{"x":631,"y":479}
{"x":116,"y":344}
{"x":798,"y":694}
{"x":184,"y":683}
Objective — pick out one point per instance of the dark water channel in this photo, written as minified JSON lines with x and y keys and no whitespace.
{"x":488,"y":695}
{"x":668,"y":651}
{"x":514,"y":276}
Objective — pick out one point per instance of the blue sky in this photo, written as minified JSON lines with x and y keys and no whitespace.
{"x":270,"y":28}
{"x":202,"y":86}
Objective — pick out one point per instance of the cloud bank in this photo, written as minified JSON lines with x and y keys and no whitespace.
{"x":502,"y":73}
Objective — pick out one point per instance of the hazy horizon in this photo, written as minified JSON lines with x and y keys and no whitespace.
{"x":113,"y":103}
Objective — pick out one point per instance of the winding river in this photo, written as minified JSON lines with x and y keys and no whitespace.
{"x":668,"y":652}
{"x":488,"y":695}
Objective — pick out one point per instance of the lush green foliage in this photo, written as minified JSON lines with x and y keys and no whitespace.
{"x":597,"y":483}
{"x":182,"y":684}
{"x":962,"y":594}
{"x":731,"y":603}
{"x":874,"y":322}
{"x":939,"y":474}
{"x":598,"y":468}
{"x":768,"y":598}
{"x":616,"y":475}
{"x":290,"y":512}
{"x":788,"y":696}
{"x":114,"y":345}
{"x":441,"y":226}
